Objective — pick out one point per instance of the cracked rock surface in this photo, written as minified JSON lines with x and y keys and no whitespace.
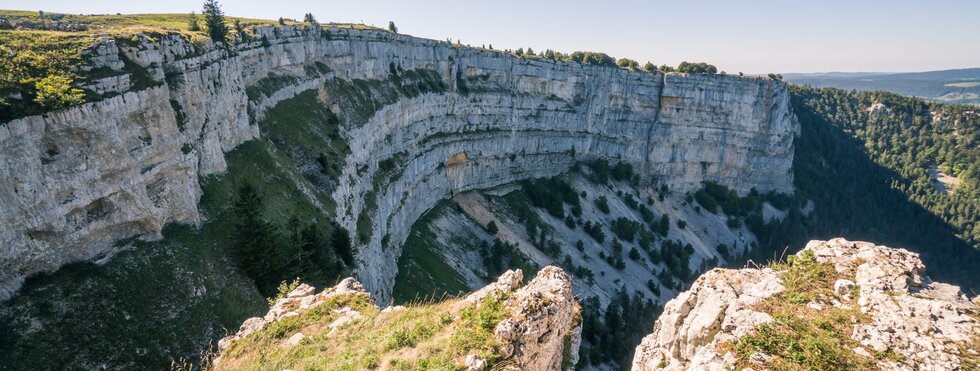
{"x":928,"y":325}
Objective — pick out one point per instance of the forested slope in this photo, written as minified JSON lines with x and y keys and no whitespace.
{"x":864,"y":159}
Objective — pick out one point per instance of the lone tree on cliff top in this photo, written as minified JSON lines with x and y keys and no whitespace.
{"x":214,"y":20}
{"x":392,"y":28}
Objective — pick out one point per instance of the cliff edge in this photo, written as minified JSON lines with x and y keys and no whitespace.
{"x":835,"y":305}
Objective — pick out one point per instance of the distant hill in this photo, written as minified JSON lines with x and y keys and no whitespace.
{"x":949,"y":86}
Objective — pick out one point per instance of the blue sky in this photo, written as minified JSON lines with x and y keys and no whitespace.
{"x":748,"y":36}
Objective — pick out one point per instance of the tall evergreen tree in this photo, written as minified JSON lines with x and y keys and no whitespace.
{"x":214,"y":20}
{"x":340,"y":240}
{"x":392,"y":27}
{"x":256,"y":244}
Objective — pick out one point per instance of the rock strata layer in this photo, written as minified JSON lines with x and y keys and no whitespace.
{"x":926,"y":325}
{"x":74,"y":182}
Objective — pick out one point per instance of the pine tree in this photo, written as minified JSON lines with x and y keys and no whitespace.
{"x":214,"y":20}
{"x":340,"y":240}
{"x":310,"y":20}
{"x":240,"y":31}
{"x":392,"y":27}
{"x":192,"y":22}
{"x":256,"y":249}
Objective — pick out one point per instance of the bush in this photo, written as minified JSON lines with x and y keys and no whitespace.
{"x":722,"y":249}
{"x":492,"y":227}
{"x":56,"y":92}
{"x":594,"y":231}
{"x":628,"y":64}
{"x":625,"y":228}
{"x":593,"y":58}
{"x":697,"y":68}
{"x":551,"y":195}
{"x":634,"y":254}
{"x":602,"y":204}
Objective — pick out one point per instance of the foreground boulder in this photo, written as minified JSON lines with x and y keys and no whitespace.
{"x":835,"y":305}
{"x":502,"y":326}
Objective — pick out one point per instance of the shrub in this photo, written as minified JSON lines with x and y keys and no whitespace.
{"x":634,"y":254}
{"x":722,"y":249}
{"x":492,"y":227}
{"x":625,"y":228}
{"x":697,"y":68}
{"x":55,"y":92}
{"x":628,"y":64}
{"x":603,"y":204}
{"x":595,"y":231}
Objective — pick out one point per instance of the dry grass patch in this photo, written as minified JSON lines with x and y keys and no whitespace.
{"x":419,"y":336}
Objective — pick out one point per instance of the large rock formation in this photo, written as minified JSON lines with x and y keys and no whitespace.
{"x":909,"y":322}
{"x":74,"y":182}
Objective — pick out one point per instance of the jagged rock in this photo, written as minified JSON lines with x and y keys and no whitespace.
{"x":474,"y":363}
{"x":507,"y":282}
{"x":925,"y":323}
{"x":538,"y":318}
{"x":718,"y":307}
{"x":299,"y":300}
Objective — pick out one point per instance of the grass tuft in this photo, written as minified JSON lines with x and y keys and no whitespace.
{"x":800,"y":337}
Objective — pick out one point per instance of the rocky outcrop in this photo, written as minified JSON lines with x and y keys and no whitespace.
{"x":73,"y":182}
{"x":299,"y":300}
{"x":542,"y":324}
{"x":922,"y":324}
{"x":539,"y":329}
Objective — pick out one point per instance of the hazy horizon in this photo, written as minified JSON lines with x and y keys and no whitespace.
{"x":755,"y":38}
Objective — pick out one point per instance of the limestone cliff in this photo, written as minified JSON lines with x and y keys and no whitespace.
{"x":871,"y":308}
{"x":504,"y":326}
{"x":75,"y":182}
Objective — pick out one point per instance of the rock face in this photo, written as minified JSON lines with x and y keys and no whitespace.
{"x":928,"y":325}
{"x":540,"y":321}
{"x":75,"y":181}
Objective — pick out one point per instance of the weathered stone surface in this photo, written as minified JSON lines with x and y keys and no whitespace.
{"x":538,"y":318}
{"x":75,"y":181}
{"x":301,"y":299}
{"x":926,"y":323}
{"x":717,"y":308}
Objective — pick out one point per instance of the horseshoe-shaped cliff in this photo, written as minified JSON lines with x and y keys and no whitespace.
{"x":423,"y":119}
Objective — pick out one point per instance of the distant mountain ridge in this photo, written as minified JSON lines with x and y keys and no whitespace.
{"x":961,"y":86}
